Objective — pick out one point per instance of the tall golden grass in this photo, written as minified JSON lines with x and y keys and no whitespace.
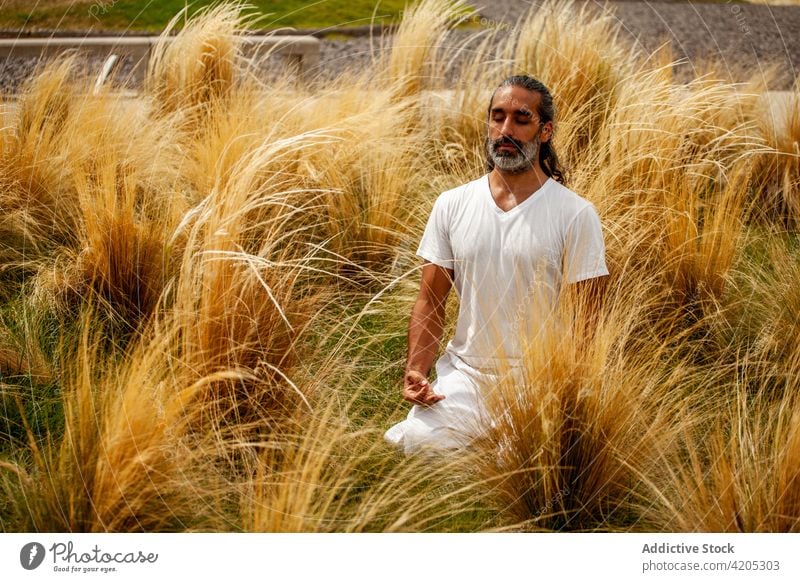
{"x":125,"y":461}
{"x":215,"y":278}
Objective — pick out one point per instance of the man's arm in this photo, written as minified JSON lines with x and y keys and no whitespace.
{"x":425,"y":333}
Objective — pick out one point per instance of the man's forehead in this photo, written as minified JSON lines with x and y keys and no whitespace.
{"x":515,"y":99}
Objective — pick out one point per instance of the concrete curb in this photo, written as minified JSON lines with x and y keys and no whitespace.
{"x":353,"y":31}
{"x":302,"y":52}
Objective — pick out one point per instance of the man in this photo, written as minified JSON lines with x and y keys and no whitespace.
{"x":507,"y":241}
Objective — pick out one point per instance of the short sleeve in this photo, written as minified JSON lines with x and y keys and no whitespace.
{"x":584,"y":249}
{"x":435,"y":244}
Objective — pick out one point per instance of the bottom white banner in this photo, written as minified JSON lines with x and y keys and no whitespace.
{"x":418,"y":557}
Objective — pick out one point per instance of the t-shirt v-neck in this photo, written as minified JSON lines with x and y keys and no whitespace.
{"x":519,"y":207}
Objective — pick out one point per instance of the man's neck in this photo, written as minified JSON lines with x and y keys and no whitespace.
{"x":509,"y":190}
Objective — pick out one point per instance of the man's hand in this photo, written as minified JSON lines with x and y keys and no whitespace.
{"x":417,"y":389}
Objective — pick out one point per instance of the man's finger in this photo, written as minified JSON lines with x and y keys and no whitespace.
{"x":417,"y":395}
{"x":423,"y":383}
{"x":416,"y":390}
{"x":431,"y":398}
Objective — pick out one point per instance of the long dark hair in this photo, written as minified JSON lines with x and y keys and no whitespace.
{"x":547,"y":112}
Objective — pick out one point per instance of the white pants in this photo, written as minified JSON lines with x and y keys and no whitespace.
{"x":450,"y":423}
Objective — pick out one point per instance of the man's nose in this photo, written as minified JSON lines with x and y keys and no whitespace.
{"x":507,"y":128}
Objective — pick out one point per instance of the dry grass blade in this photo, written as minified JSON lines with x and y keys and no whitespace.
{"x":126,"y":461}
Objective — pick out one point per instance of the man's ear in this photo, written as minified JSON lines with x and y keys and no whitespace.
{"x":546,"y":132}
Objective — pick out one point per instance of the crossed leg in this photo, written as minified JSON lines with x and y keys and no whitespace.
{"x":451,"y":423}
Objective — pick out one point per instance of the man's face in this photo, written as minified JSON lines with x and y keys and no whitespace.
{"x":515,"y":130}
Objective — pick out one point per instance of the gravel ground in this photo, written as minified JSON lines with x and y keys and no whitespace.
{"x":743,"y":37}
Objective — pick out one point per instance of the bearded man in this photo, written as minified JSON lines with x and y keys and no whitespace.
{"x":509,"y":241}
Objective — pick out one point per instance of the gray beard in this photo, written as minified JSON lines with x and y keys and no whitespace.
{"x":515,"y":162}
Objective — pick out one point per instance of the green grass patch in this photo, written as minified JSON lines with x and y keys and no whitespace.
{"x":151,"y":15}
{"x":25,"y":404}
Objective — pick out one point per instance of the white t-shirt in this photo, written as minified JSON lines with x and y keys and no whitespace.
{"x":509,"y":265}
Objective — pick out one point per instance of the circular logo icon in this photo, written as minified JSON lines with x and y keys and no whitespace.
{"x":31,"y":555}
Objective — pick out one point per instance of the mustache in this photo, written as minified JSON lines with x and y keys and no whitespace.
{"x":505,"y":140}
